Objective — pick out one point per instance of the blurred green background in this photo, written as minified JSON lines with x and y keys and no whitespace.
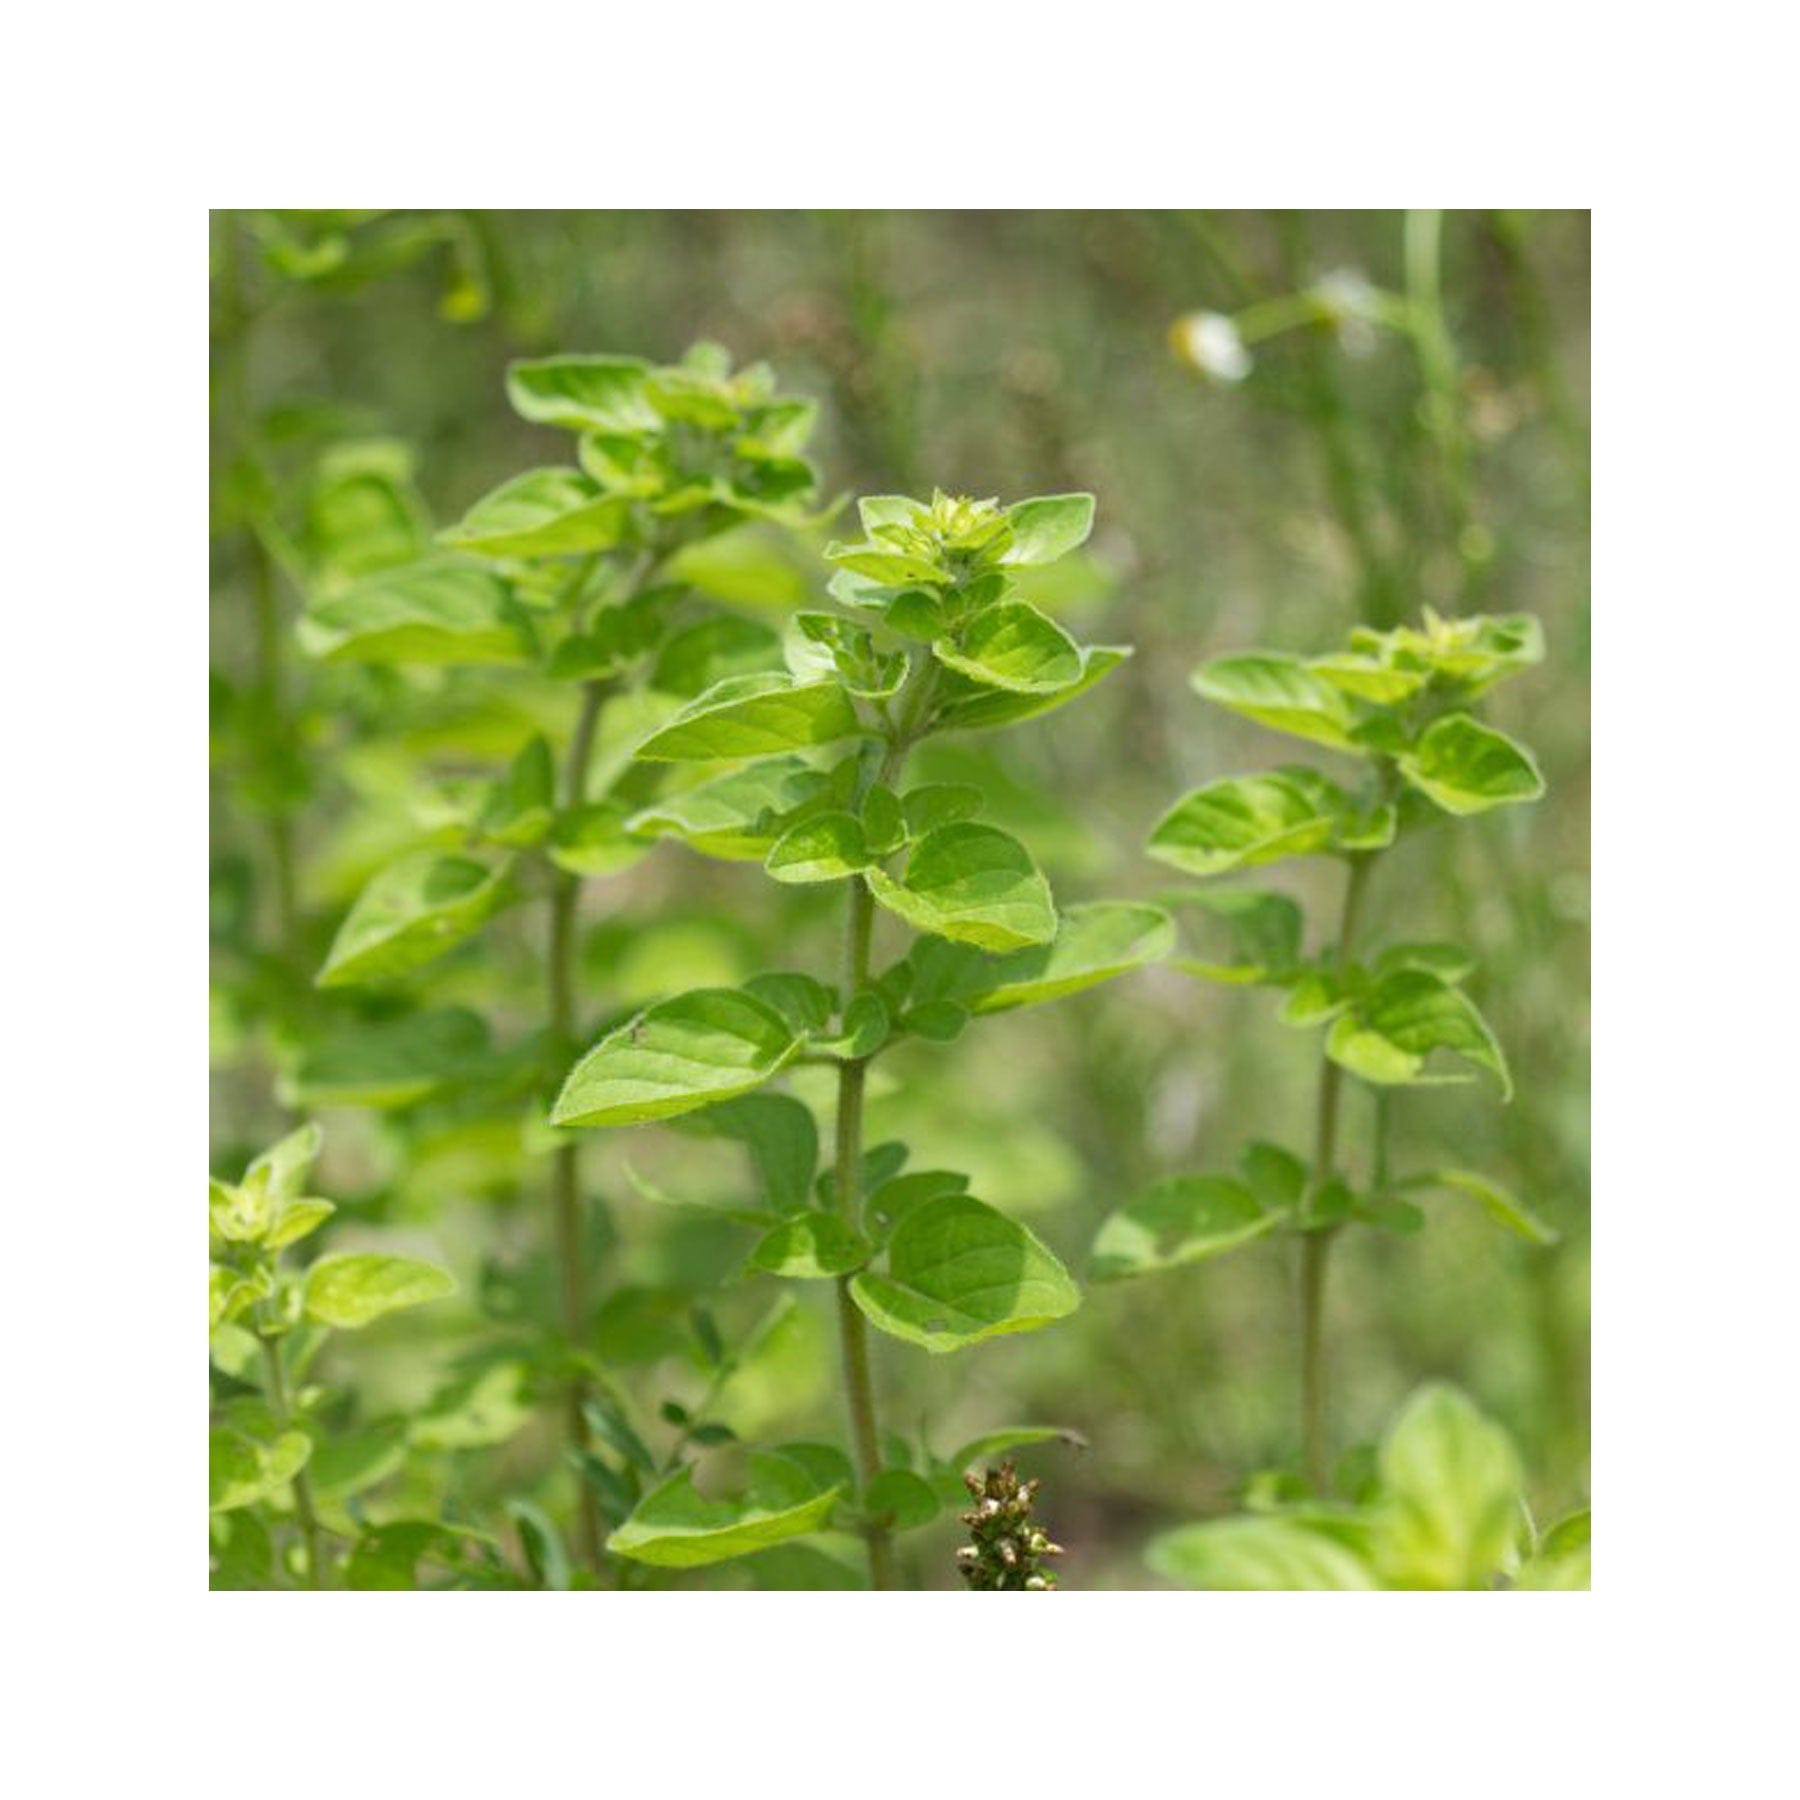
{"x":1353,"y":473}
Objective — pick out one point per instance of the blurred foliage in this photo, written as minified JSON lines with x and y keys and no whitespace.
{"x":1276,"y":460}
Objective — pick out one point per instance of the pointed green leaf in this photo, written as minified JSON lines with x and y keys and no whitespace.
{"x":1449,"y":1514}
{"x":390,"y":1062}
{"x":412,"y":912}
{"x":990,"y":1444}
{"x":1044,"y":529}
{"x":594,"y":839}
{"x":521,"y":806}
{"x":939,"y":803}
{"x":544,"y":512}
{"x":243,"y":1468}
{"x":970,"y":707}
{"x":958,"y":1272}
{"x":1181,"y":1219}
{"x":352,"y":1291}
{"x":780,"y":1135}
{"x":812,"y":1246}
{"x":1014,"y":647}
{"x":675,"y":1527}
{"x":583,"y":393}
{"x":736,"y":817}
{"x":1280,"y":692}
{"x":1491,"y":1197}
{"x":1259,"y":1555}
{"x":1394,"y":1026}
{"x":1265,"y":930}
{"x":1248,"y":820}
{"x":284,"y":1166}
{"x":973,"y":884}
{"x":1467,"y":767}
{"x":827,"y":847}
{"x":428,"y":612}
{"x":1094,"y":942}
{"x":753,"y":715}
{"x":694,"y":1050}
{"x":1564,"y":1561}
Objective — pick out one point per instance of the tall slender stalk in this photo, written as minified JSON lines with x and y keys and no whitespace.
{"x":1315,"y":1246}
{"x":565,"y":1165}
{"x":275,"y":1374}
{"x":853,"y":1330}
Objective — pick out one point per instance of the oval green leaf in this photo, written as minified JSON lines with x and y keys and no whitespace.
{"x":352,"y":1291}
{"x":1467,"y":767}
{"x":958,"y":1272}
{"x":753,"y":715}
{"x":411,"y":913}
{"x":675,"y":1527}
{"x":1014,"y":647}
{"x":973,"y":884}
{"x":1181,"y":1219}
{"x":544,"y":512}
{"x":429,"y":612}
{"x":692,"y":1051}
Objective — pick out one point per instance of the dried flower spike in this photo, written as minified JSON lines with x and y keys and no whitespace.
{"x":1010,"y":1550}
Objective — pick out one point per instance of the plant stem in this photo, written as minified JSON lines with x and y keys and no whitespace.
{"x":853,"y":1330}
{"x":565,"y":1166}
{"x":276,"y":1381}
{"x":1315,"y":1246}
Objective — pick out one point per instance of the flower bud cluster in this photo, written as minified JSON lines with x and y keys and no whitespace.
{"x":1010,"y":1549}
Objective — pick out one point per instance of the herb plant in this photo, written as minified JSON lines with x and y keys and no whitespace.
{"x":1399,"y":703}
{"x":1441,"y":1507}
{"x":559,"y":577}
{"x":931,"y":637}
{"x":267,"y":1323}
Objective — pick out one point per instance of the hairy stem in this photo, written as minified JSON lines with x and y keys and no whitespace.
{"x":565,"y":1166}
{"x":1315,"y":1246}
{"x":275,"y":1379}
{"x":853,"y":1330}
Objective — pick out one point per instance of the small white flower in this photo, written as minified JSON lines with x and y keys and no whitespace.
{"x":1209,"y":342}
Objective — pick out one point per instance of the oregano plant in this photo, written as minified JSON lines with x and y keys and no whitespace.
{"x":563,"y":580}
{"x":1440,"y":1506}
{"x":807,"y":773}
{"x":1400,"y":706}
{"x":268,"y":1319}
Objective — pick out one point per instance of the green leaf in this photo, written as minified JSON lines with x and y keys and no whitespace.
{"x":753,"y":715}
{"x":1280,"y":692}
{"x":351,"y":1462}
{"x":583,"y":393}
{"x":1395,"y":1025}
{"x":244,"y":1467}
{"x":284,"y":1166}
{"x":1493,"y":1199}
{"x":412,"y":912}
{"x":428,"y":612}
{"x":972,"y":707}
{"x":890,"y":1201}
{"x":1044,"y":529}
{"x":939,"y":803}
{"x":735,"y":817}
{"x":1265,"y":930}
{"x":827,"y":847}
{"x":1248,"y":820}
{"x":973,"y":884}
{"x":805,"y":1003}
{"x":1180,"y":1219}
{"x":694,"y":1050}
{"x":1016,"y":648}
{"x":1259,"y":1555}
{"x":1467,"y":767}
{"x":959,"y":1272}
{"x":901,"y":1500}
{"x":1449,"y":1511}
{"x":779,"y":1133}
{"x":594,"y":839}
{"x":713,"y":650}
{"x":391,"y":1062}
{"x":521,"y":806}
{"x":674,"y":1527}
{"x":1094,"y":942}
{"x":827,"y":646}
{"x":352,"y":1291}
{"x":811,"y":1246}
{"x":1011,"y":1437}
{"x":296,"y":1220}
{"x":544,"y":512}
{"x":1564,"y":1560}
